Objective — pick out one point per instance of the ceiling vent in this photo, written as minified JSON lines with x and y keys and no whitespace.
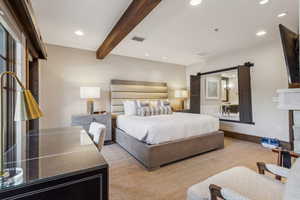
{"x":138,"y":39}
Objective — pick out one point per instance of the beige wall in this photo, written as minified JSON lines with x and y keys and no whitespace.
{"x":68,"y":69}
{"x":268,"y":75}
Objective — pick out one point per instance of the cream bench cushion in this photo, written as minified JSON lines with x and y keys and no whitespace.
{"x":292,"y":188}
{"x":241,"y":180}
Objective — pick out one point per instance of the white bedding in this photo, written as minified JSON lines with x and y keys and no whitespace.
{"x":163,"y":128}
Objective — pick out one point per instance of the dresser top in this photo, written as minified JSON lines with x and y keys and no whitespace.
{"x":54,"y":153}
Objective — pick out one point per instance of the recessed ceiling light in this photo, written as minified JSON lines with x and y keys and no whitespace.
{"x":261,"y":33}
{"x":147,"y":54}
{"x":79,"y":33}
{"x":195,"y":2}
{"x":281,"y":15}
{"x":262,"y":2}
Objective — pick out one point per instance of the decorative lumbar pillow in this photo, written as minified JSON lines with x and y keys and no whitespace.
{"x":130,"y":107}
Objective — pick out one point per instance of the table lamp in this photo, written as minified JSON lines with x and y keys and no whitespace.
{"x":90,"y":93}
{"x":26,"y":108}
{"x":182,"y":95}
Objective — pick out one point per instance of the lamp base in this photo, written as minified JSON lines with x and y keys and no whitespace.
{"x":90,"y":107}
{"x":11,"y":177}
{"x":182,"y":102}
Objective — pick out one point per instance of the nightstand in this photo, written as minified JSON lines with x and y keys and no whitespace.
{"x":85,"y":120}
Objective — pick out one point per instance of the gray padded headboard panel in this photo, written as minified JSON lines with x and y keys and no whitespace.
{"x":122,"y":90}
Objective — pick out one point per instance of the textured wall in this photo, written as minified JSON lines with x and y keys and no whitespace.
{"x":67,"y":69}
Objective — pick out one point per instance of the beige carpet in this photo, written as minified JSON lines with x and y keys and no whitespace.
{"x":130,"y":181}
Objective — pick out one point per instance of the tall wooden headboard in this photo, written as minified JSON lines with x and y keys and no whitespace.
{"x":122,"y":90}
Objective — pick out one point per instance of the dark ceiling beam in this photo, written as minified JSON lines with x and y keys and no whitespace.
{"x":25,"y":18}
{"x":134,"y":14}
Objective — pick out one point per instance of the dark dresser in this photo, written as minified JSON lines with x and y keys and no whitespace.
{"x":58,"y":164}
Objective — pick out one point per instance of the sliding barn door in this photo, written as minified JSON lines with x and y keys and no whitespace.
{"x":195,"y":94}
{"x":245,"y":98}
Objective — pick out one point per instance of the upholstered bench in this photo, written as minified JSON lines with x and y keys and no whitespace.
{"x":244,"y":184}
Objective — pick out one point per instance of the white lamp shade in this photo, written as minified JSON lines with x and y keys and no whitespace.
{"x":90,"y":92}
{"x":181,"y":94}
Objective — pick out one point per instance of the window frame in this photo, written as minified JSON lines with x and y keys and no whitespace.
{"x":9,"y":89}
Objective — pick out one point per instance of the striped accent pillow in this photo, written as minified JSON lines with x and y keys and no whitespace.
{"x":165,"y":110}
{"x":148,"y":111}
{"x":155,"y":110}
{"x":142,"y":104}
{"x":164,"y":103}
{"x":143,"y":111}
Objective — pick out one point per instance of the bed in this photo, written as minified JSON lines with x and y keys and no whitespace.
{"x":161,"y":139}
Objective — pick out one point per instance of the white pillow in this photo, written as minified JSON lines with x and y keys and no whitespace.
{"x":129,"y":107}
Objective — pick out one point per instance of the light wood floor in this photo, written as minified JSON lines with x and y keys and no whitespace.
{"x":129,"y":180}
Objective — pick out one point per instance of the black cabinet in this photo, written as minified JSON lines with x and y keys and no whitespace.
{"x":78,"y":187}
{"x":245,"y":97}
{"x":67,"y":167}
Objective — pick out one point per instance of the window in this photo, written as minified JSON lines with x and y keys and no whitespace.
{"x":7,"y":63}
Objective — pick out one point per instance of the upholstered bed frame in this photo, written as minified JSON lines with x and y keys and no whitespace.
{"x":135,"y":90}
{"x":154,"y":156}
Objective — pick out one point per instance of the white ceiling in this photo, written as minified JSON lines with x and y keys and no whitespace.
{"x":175,"y":32}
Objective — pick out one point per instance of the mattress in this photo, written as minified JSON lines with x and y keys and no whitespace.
{"x":164,"y":128}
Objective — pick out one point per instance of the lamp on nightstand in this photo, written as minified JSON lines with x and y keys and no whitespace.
{"x":90,"y":93}
{"x":182,"y":95}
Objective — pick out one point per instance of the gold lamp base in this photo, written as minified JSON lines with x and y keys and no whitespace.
{"x":90,"y":106}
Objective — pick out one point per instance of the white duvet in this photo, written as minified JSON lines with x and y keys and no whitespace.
{"x":163,"y":128}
